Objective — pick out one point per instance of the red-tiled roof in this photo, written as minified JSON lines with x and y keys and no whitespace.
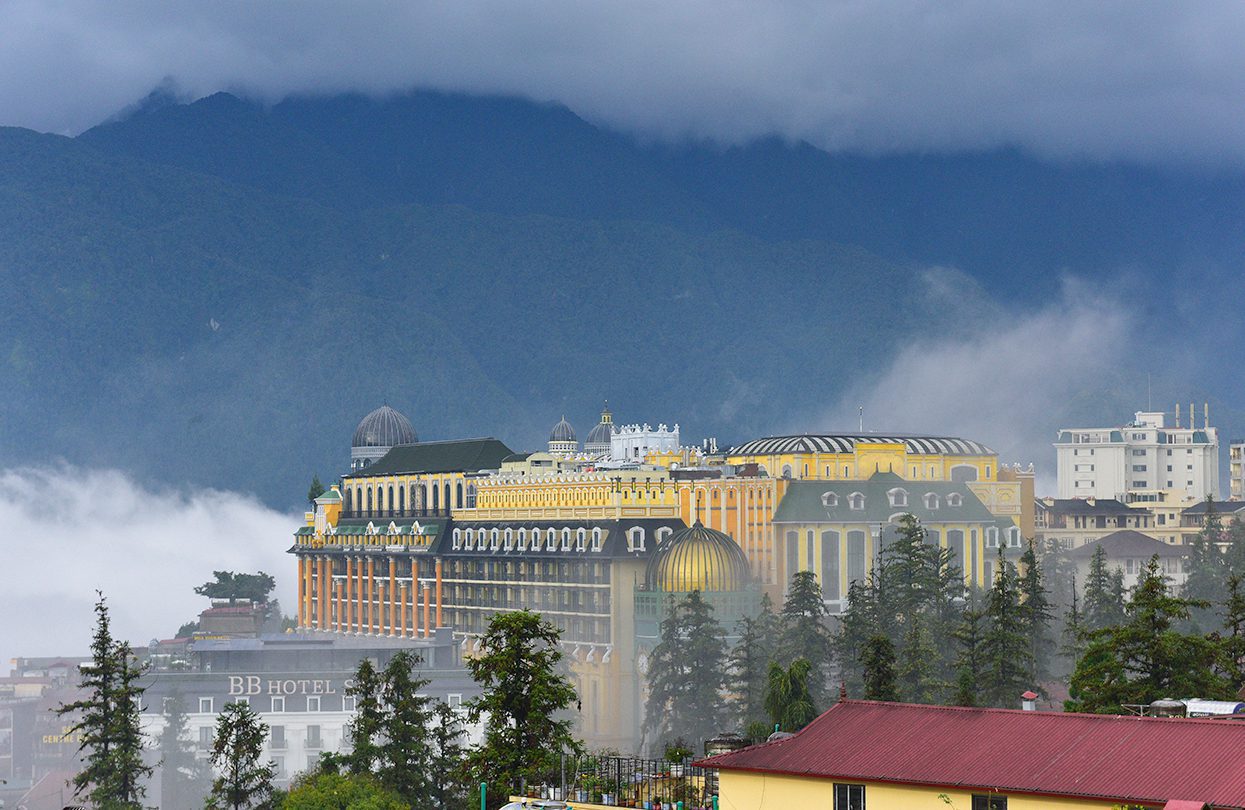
{"x":1125,"y":759}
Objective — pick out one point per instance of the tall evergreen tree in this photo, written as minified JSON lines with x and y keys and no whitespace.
{"x":315,"y":490}
{"x":184,"y":779}
{"x":108,"y":722}
{"x":1147,"y":657}
{"x":687,"y":677}
{"x":447,"y":754}
{"x":1104,"y":603}
{"x":1234,"y":633}
{"x":1206,"y":571}
{"x":749,"y":663}
{"x":787,"y":699}
{"x":1074,"y":630}
{"x":970,"y":670}
{"x":805,"y":633}
{"x":877,"y":659}
{"x":1005,"y":645}
{"x":244,"y":780}
{"x":524,"y":701}
{"x":1036,"y":616}
{"x":404,"y":750}
{"x":368,"y":721}
{"x":858,"y":624}
{"x":916,"y":677}
{"x":1234,"y":538}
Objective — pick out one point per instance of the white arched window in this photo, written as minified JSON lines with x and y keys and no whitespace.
{"x":494,"y":539}
{"x":829,"y":500}
{"x":931,"y":500}
{"x":581,"y":539}
{"x":508,"y":540}
{"x":596,"y":539}
{"x":635,"y":538}
{"x":458,"y":539}
{"x":522,"y":539}
{"x":1013,"y":537}
{"x":898,"y":496}
{"x":955,"y":499}
{"x":470,"y":539}
{"x":551,"y":540}
{"x":992,"y":537}
{"x":662,"y":534}
{"x":566,"y":539}
{"x":856,"y":501}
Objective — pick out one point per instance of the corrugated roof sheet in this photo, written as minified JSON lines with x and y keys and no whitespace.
{"x":846,"y":443}
{"x":1125,"y":759}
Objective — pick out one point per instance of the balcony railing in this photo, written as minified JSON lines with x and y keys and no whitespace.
{"x":613,"y":781}
{"x":359,"y":514}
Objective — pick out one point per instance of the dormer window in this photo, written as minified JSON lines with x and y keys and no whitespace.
{"x":931,"y":500}
{"x":635,"y":538}
{"x":1013,"y":537}
{"x":898,"y":497}
{"x":955,"y":499}
{"x":856,"y":502}
{"x":494,"y":539}
{"x":508,"y":540}
{"x":458,"y":539}
{"x":661,"y":534}
{"x":581,"y":540}
{"x":829,"y":500}
{"x":596,"y":539}
{"x":470,"y":539}
{"x":522,"y":539}
{"x":992,"y":537}
{"x":566,"y":539}
{"x":551,"y":540}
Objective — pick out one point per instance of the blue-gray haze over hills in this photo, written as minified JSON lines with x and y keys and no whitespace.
{"x":214,"y":293}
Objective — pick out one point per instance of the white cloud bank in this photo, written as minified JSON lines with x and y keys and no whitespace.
{"x":1110,"y":79}
{"x":1010,"y":383}
{"x":69,"y":531}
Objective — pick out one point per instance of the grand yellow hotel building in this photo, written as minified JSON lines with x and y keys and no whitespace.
{"x":429,"y":534}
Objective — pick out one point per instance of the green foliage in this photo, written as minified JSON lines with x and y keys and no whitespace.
{"x":244,"y":780}
{"x":404,"y":750}
{"x":231,"y":586}
{"x":916,"y":678}
{"x":447,"y":758}
{"x":1234,"y":634}
{"x":1036,"y":617}
{"x":1147,"y":658}
{"x":187,"y":630}
{"x":368,"y":721}
{"x":970,"y":662}
{"x":1006,"y":646}
{"x":1104,"y":594}
{"x":878,"y":662}
{"x":805,"y":633}
{"x":524,"y":701}
{"x":315,"y":490}
{"x":1207,"y":571}
{"x":686,"y":675}
{"x":787,"y":698}
{"x":748,"y":666}
{"x":335,"y":791}
{"x":184,"y":778}
{"x":108,"y":723}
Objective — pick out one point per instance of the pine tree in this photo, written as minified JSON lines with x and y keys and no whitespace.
{"x":1104,"y":603}
{"x":447,"y":753}
{"x":1036,"y":617}
{"x":1234,"y":537}
{"x":916,"y":678}
{"x":970,"y":670}
{"x":1206,"y":569}
{"x":805,"y":633}
{"x":908,"y":573}
{"x":877,"y":659}
{"x":365,"y":727}
{"x":787,"y":699}
{"x":1074,"y":630}
{"x":686,"y":676}
{"x":1147,"y":657}
{"x":1005,"y":646}
{"x":108,"y":722}
{"x":857,"y":625}
{"x":244,"y":780}
{"x":315,"y":490}
{"x":524,"y":701}
{"x":1234,"y":633}
{"x":184,"y":781}
{"x":404,"y":749}
{"x":749,"y":663}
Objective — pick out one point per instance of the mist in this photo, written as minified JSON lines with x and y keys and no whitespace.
{"x":72,"y":531}
{"x":1109,"y":80}
{"x":1010,"y":381}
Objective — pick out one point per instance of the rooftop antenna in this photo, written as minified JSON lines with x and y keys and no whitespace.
{"x":862,"y":418}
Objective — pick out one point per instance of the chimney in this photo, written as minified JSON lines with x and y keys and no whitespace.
{"x":1192,"y":416}
{"x":1028,"y":701}
{"x":1177,"y":414}
{"x":1206,"y":415}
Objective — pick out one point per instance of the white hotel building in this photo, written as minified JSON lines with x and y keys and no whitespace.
{"x":1141,"y":461}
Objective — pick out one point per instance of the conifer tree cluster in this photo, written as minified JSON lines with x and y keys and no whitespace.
{"x":686,"y":675}
{"x":107,"y":722}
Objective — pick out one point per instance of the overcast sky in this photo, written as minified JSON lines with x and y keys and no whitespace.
{"x":1152,"y":81}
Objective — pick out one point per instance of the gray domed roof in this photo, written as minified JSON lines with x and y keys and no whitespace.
{"x":562,"y":432}
{"x":601,"y":434}
{"x":384,"y":427}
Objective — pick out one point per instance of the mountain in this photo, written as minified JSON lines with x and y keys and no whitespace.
{"x":213,"y":294}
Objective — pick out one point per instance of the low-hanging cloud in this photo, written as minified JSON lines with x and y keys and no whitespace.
{"x":1112,"y":79}
{"x":70,"y":531}
{"x":1010,"y":384}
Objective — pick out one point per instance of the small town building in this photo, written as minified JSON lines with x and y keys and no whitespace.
{"x":862,"y":755}
{"x":1130,"y":551}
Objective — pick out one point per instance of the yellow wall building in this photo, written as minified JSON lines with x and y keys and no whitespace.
{"x":862,"y":755}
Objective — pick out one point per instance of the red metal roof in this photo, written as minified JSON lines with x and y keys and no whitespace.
{"x":1125,"y":759}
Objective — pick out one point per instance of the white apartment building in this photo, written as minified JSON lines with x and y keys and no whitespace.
{"x":1236,"y":470}
{"x":1133,"y":462}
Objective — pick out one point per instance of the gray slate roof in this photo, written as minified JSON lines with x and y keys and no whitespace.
{"x":806,"y":502}
{"x":1128,"y":543}
{"x":459,"y":455}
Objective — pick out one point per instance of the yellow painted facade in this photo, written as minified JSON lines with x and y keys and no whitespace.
{"x":741,"y":790}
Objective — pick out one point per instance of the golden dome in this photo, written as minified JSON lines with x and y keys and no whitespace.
{"x":697,"y":559}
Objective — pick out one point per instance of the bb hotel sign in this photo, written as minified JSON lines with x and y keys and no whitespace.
{"x":240,"y":685}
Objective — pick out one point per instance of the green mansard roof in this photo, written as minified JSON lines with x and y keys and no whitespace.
{"x":460,"y":455}
{"x":830,"y":502}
